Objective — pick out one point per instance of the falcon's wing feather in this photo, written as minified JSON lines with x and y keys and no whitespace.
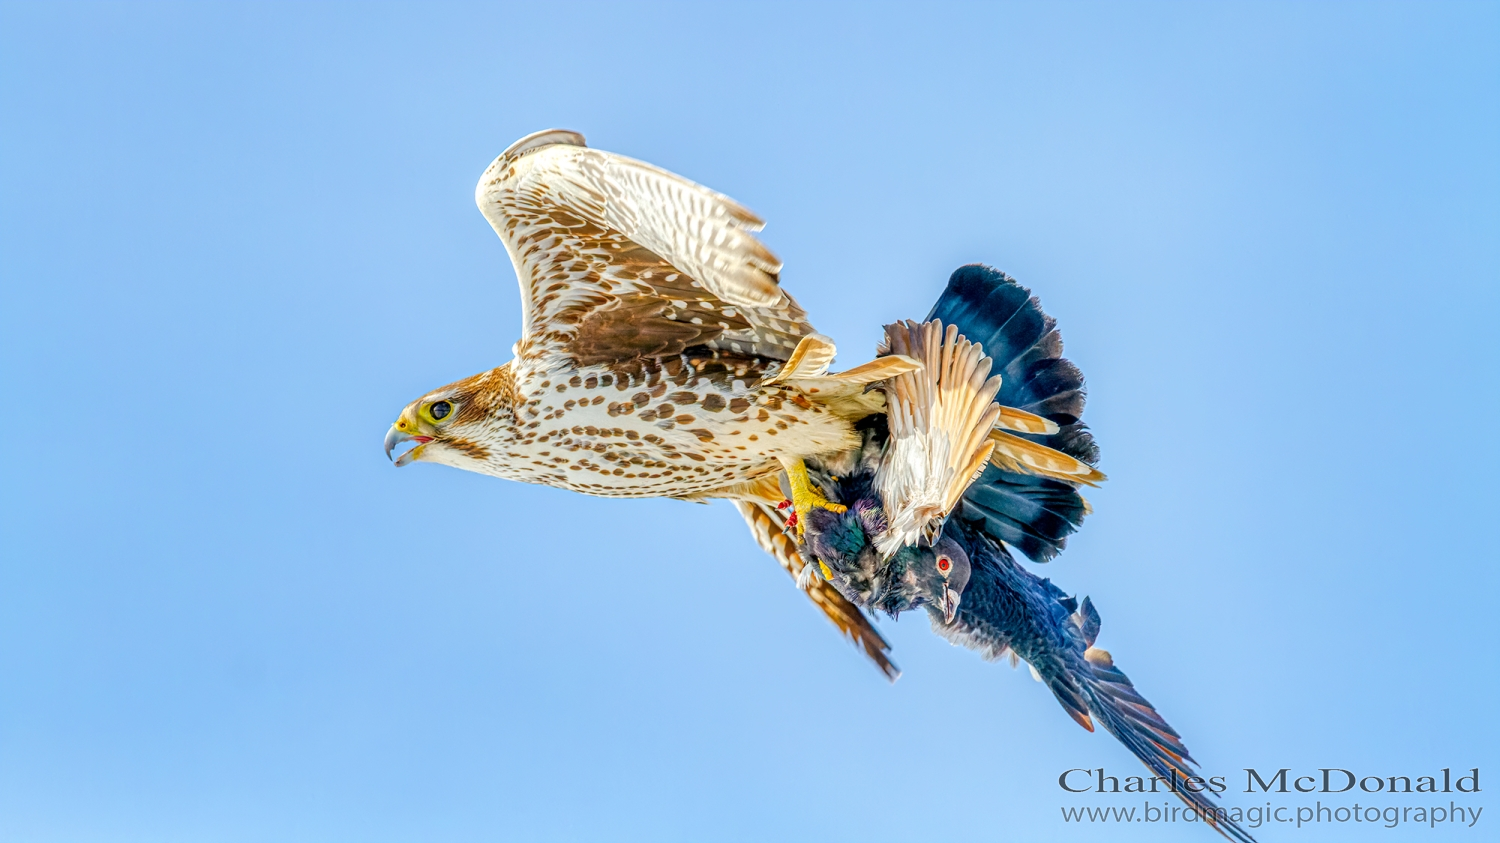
{"x":768,"y":527}
{"x":940,"y":419}
{"x":617,"y":258}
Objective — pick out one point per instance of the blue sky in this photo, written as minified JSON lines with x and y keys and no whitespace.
{"x":237,"y":239}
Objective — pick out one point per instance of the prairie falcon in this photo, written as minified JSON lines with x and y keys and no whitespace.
{"x":658,"y":355}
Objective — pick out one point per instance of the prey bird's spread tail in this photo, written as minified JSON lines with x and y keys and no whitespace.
{"x":959,"y":413}
{"x":1027,"y":497}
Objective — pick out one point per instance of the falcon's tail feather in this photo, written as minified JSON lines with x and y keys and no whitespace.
{"x":1034,"y":513}
{"x":1014,"y":453}
{"x":1023,"y":422}
{"x":940,"y":418}
{"x":990,"y":308}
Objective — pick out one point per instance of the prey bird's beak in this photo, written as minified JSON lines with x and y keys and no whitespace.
{"x":396,"y":436}
{"x":950,"y":604}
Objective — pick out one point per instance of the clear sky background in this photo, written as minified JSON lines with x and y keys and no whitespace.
{"x":237,"y":239}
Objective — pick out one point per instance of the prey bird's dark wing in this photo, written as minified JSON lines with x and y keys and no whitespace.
{"x":768,"y":526}
{"x":619,"y":259}
{"x":1007,"y":609}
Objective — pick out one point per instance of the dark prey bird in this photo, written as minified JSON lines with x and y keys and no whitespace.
{"x":1025,"y":503}
{"x":846,"y":552}
{"x":979,"y":597}
{"x":975,"y":592}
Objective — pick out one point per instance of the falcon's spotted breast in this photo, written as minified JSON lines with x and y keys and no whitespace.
{"x":688,"y":425}
{"x":658,"y":355}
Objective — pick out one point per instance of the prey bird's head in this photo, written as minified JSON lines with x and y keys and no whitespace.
{"x":459,"y":424}
{"x":934,"y":576}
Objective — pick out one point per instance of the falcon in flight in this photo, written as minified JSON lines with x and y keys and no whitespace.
{"x":659,"y":356}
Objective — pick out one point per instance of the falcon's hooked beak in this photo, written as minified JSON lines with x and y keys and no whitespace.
{"x":950,"y":604}
{"x":397,"y":435}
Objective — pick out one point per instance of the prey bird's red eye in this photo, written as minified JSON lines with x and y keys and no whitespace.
{"x":944,"y":564}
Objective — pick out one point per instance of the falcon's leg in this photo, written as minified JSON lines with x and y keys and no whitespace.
{"x":805,"y":496}
{"x":812,"y":572}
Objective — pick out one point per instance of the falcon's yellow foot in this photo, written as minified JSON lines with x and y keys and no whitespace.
{"x":812,"y":573}
{"x":805,"y":496}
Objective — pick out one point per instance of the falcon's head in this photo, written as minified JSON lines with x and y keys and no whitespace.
{"x":933,"y":576}
{"x":459,"y":424}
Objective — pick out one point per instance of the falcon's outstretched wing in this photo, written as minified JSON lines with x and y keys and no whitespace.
{"x":768,"y":527}
{"x":620,"y":259}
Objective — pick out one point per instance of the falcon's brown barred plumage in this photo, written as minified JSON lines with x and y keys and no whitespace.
{"x":659,"y":357}
{"x":658,"y":354}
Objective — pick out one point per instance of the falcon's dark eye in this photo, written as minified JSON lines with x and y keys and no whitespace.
{"x":440,"y":410}
{"x":944,"y":564}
